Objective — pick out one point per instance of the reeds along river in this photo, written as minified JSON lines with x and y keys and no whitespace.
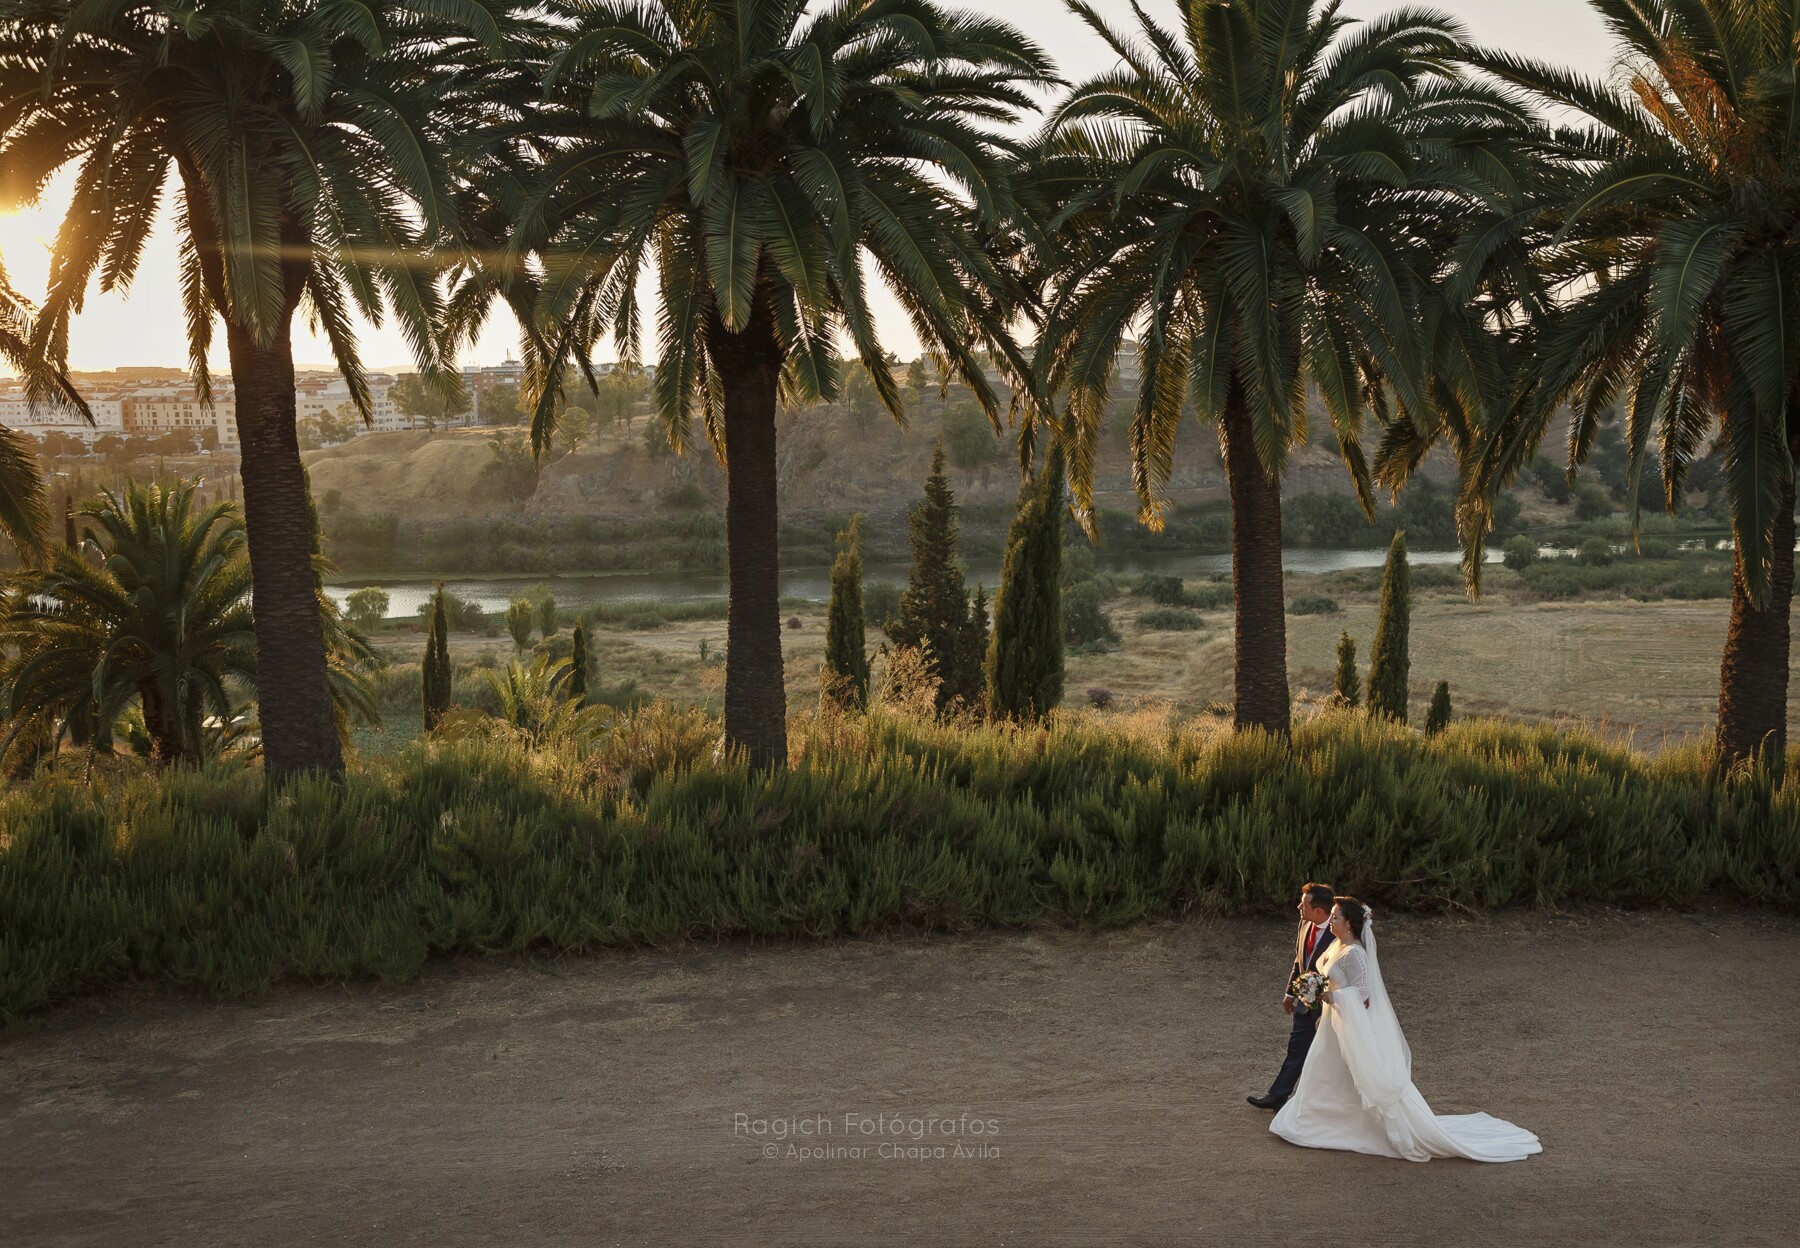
{"x":576,"y":592}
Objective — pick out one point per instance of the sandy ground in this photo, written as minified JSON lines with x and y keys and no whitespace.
{"x":598,"y":1101}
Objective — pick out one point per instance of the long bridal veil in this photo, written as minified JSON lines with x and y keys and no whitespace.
{"x":1380,"y":1063}
{"x":1374,"y":1047}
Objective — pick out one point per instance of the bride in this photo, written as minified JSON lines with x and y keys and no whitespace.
{"x":1356,"y":1090}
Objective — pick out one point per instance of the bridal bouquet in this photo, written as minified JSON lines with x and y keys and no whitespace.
{"x":1307,"y":988}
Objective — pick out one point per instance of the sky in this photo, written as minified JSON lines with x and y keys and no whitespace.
{"x":144,"y":327}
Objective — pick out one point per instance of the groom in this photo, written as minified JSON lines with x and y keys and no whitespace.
{"x":1309,"y":943}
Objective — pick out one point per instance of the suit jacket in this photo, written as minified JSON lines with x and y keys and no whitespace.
{"x":1303,"y":963}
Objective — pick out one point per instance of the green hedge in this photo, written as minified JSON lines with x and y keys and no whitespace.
{"x":491,"y":845}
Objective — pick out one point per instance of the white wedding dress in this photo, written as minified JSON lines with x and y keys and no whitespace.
{"x":1356,"y":1090}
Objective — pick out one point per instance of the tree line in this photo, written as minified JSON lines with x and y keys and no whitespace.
{"x":1453,"y":246}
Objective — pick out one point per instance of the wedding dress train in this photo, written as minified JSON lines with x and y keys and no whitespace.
{"x":1356,"y":1090}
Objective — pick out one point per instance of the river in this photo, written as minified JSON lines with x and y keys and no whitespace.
{"x":576,"y":591}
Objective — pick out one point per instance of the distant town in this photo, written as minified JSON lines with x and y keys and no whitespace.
{"x":147,"y":402}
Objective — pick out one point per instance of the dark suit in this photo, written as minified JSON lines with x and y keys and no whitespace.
{"x":1306,"y":1021}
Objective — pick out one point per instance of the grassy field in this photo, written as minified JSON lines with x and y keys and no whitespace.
{"x":1647,"y":671}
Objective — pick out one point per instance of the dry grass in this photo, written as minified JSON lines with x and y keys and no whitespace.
{"x":1647,"y":671}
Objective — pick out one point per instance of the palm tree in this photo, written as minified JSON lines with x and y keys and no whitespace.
{"x":535,"y":701}
{"x":756,"y":160}
{"x":160,"y":618}
{"x":152,"y":609}
{"x":304,"y":143}
{"x":1247,"y":192}
{"x":1675,"y":260}
{"x":24,"y":509}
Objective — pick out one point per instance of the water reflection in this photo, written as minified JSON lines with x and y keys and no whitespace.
{"x":575,"y":591}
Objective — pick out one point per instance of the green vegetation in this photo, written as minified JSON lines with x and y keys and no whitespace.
{"x":578,"y":664}
{"x":1223,"y":216}
{"x":1644,"y":580}
{"x":1426,"y":510}
{"x":482,"y":844}
{"x":159,"y":618}
{"x":1346,"y":683}
{"x":935,"y":616}
{"x":1313,"y":604}
{"x":1520,"y":552}
{"x":276,"y":211}
{"x":723,"y":194}
{"x":1671,"y":193}
{"x":148,"y":618}
{"x":521,"y":615}
{"x":1024,"y":667}
{"x":435,"y":676}
{"x":1390,"y":660}
{"x":1171,"y":620}
{"x":680,"y":539}
{"x":366,"y":608}
{"x":1437,"y":716}
{"x":846,"y":647}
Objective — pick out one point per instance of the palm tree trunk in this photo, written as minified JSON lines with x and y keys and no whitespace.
{"x":1261,"y":684}
{"x":163,"y":727}
{"x":749,"y":365}
{"x":1753,"y":676}
{"x":299,"y":731}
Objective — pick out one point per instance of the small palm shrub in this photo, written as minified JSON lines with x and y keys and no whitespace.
{"x":151,"y":617}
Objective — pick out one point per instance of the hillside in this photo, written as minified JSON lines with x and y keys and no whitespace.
{"x":398,"y":500}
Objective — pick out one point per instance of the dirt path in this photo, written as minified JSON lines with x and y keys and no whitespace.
{"x":595,"y":1101}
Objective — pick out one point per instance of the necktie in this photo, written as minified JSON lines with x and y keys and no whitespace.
{"x":1312,"y":934}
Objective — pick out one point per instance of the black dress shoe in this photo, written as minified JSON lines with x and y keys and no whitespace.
{"x":1267,"y":1102}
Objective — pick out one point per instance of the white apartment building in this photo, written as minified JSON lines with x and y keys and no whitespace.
{"x":150,"y":415}
{"x":150,"y":406}
{"x":16,"y":412}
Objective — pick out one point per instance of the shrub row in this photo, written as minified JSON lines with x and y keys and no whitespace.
{"x":641,"y":836}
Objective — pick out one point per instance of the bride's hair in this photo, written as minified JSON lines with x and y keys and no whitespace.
{"x":1355,"y":914}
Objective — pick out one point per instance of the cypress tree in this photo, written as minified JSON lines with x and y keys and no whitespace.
{"x":71,"y":538}
{"x":435,"y":676}
{"x":578,"y":665}
{"x":1349,"y":684}
{"x":846,"y":652}
{"x":1025,"y":656}
{"x":975,"y":639}
{"x":934,"y":609}
{"x":1438,"y":717}
{"x":1389,"y":661}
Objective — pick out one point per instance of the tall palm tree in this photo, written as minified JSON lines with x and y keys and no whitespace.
{"x":763,"y":164}
{"x":1675,"y":259}
{"x":24,"y":507}
{"x":303,"y":142}
{"x":1247,"y":191}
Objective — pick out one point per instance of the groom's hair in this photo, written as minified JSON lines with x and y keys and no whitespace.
{"x":1318,"y":894}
